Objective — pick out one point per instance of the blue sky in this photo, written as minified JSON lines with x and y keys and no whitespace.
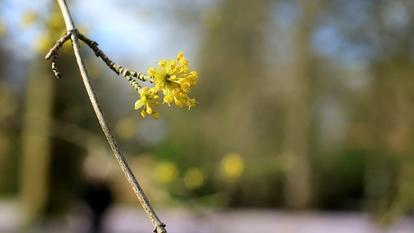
{"x":127,"y":30}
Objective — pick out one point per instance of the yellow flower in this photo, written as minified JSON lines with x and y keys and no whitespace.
{"x":232,"y":167}
{"x":3,"y":28}
{"x":29,"y":18}
{"x":126,"y":128}
{"x":174,"y":79}
{"x":165,"y":172}
{"x":193,"y":178}
{"x":148,"y":99}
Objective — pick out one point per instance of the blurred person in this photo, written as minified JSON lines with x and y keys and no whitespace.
{"x":98,"y":197}
{"x":97,"y":193}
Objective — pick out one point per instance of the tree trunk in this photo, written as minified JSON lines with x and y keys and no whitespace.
{"x":298,"y":112}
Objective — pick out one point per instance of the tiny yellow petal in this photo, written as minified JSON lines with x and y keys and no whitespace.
{"x":194,"y":74}
{"x":184,"y":62}
{"x":180,"y":103}
{"x":173,"y":77}
{"x":149,"y":110}
{"x":139,"y":103}
{"x":155,"y":115}
{"x":168,"y":99}
{"x":163,"y":63}
{"x":180,"y":55}
{"x":151,"y":71}
{"x":185,"y":85}
{"x":191,"y":103}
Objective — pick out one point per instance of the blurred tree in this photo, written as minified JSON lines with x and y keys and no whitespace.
{"x":232,"y":67}
{"x":8,"y":106}
{"x":298,"y":105}
{"x":382,"y":116}
{"x":393,"y":132}
{"x":36,"y":133}
{"x":50,"y":172}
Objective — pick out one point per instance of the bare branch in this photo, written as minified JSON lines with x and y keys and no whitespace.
{"x":53,"y":52}
{"x":159,"y":227}
{"x":130,"y":75}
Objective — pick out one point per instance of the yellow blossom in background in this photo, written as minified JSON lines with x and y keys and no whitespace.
{"x":165,"y":172}
{"x":54,"y":28}
{"x":43,"y":43}
{"x":174,"y":79}
{"x":55,"y":21}
{"x":193,"y":178}
{"x":148,"y":99}
{"x":126,"y":128}
{"x":28,"y":18}
{"x":3,"y":28}
{"x":231,"y":167}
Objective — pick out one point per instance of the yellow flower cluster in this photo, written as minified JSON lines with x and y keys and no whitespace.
{"x":148,"y":98}
{"x":174,"y":80}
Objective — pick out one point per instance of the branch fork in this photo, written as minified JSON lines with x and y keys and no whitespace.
{"x":132,"y":76}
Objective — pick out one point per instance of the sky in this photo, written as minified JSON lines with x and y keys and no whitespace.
{"x":127,"y":30}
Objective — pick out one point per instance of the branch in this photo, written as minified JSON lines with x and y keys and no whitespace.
{"x":131,"y":76}
{"x":54,"y":51}
{"x":159,"y":227}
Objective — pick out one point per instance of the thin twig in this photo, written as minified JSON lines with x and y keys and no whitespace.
{"x":54,"y":51}
{"x":59,"y":43}
{"x":118,"y":69}
{"x":159,"y":227}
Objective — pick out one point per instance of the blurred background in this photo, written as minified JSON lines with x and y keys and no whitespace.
{"x":305,"y":120}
